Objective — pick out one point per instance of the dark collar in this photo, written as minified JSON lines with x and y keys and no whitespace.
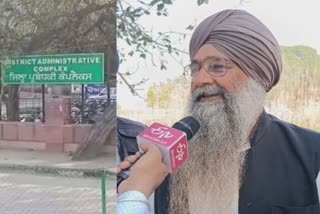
{"x":260,"y":128}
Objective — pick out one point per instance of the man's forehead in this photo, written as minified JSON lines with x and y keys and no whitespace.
{"x":207,"y":51}
{"x":213,"y":58}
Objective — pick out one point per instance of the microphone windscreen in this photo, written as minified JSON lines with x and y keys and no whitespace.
{"x":188,"y":125}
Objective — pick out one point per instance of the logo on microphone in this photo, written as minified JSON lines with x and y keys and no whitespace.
{"x":162,"y":132}
{"x":180,"y":151}
{"x":171,"y":142}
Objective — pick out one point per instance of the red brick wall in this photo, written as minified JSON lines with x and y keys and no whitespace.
{"x":38,"y":136}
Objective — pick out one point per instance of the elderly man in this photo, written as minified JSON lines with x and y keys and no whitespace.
{"x":242,"y":160}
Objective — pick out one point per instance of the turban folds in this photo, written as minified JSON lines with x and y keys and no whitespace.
{"x":245,"y":40}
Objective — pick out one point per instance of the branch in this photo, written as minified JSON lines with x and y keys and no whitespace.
{"x":133,"y":91}
{"x":38,"y":40}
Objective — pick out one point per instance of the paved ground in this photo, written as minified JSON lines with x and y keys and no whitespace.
{"x":41,"y":194}
{"x":51,"y":188}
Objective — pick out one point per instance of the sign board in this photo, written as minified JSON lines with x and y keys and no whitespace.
{"x":100,"y":92}
{"x":55,"y":69}
{"x":91,"y":89}
{"x":113,"y":93}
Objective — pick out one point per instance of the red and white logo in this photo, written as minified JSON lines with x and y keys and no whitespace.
{"x":171,"y":142}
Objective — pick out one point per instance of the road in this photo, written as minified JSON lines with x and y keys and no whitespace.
{"x":43,"y":194}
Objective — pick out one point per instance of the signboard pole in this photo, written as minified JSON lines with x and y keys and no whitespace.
{"x":108,"y":89}
{"x":43,"y":103}
{"x":108,"y":66}
{"x":82,"y":102}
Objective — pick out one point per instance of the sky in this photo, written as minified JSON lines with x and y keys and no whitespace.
{"x":293,"y":22}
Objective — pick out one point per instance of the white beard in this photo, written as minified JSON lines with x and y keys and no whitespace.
{"x":210,"y":180}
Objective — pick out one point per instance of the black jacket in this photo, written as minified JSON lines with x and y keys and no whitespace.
{"x":127,"y":130}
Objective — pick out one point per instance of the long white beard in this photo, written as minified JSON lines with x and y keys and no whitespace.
{"x":210,"y":180}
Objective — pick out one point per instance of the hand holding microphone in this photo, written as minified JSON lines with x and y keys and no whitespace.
{"x":128,"y":162}
{"x":166,"y":150}
{"x":147,"y":173}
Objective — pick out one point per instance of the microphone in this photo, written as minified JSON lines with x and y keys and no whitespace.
{"x":172,"y":142}
{"x":188,"y":125}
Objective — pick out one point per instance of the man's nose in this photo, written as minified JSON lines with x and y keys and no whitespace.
{"x":202,"y":78}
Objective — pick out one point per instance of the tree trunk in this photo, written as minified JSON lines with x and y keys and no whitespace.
{"x":104,"y":130}
{"x":1,"y":95}
{"x":13,"y":103}
{"x":102,"y":133}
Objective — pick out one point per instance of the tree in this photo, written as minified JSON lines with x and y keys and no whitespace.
{"x":144,"y":43}
{"x":36,"y":27}
{"x":29,"y":27}
{"x":103,"y":131}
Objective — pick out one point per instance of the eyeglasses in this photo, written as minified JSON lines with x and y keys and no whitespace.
{"x":216,"y":67}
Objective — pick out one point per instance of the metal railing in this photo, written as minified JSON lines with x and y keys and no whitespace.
{"x":31,"y":109}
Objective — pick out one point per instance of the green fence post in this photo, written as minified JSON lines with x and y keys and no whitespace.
{"x":103,"y":193}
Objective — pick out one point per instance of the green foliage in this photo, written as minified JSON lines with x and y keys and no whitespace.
{"x":168,"y":95}
{"x":200,"y":2}
{"x":51,"y":26}
{"x":300,"y":79}
{"x":34,"y":27}
{"x":143,"y":43}
{"x":161,"y":95}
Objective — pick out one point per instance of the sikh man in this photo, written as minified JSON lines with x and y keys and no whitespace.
{"x":243,"y":160}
